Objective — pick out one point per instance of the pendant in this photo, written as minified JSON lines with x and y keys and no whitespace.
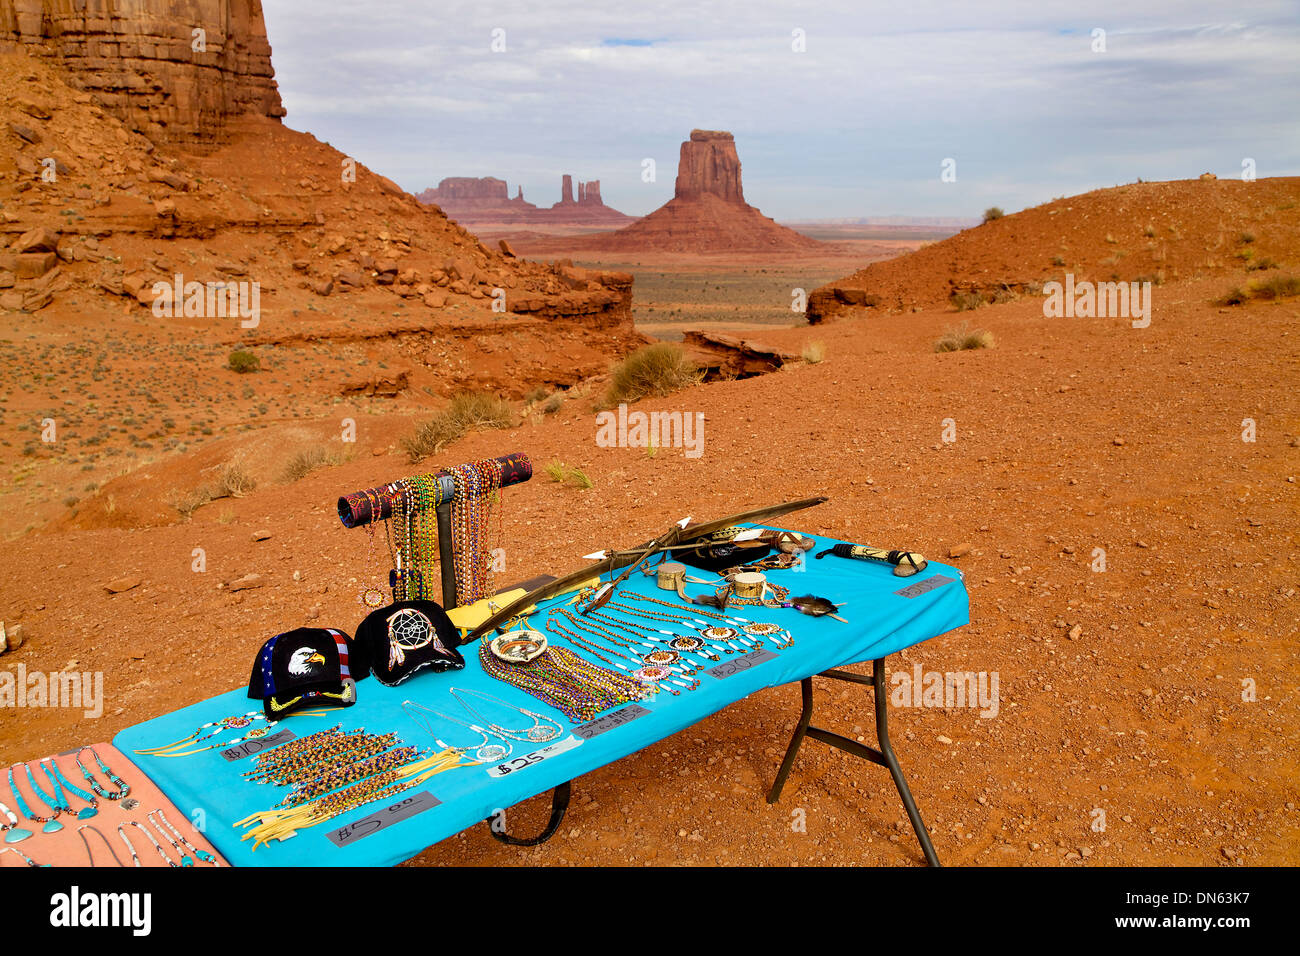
{"x":16,"y":835}
{"x":52,"y":826}
{"x":87,"y":813}
{"x":540,"y":734}
{"x":130,"y":803}
{"x":490,"y":752}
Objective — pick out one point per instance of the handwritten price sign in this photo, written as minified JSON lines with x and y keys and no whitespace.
{"x":752,"y":659}
{"x":381,"y":819}
{"x":250,"y":747}
{"x":536,"y":757}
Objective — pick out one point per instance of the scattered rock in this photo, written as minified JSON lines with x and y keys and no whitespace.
{"x":262,"y":535}
{"x":959,"y":550}
{"x":39,"y":239}
{"x":122,"y":584}
{"x":247,"y":582}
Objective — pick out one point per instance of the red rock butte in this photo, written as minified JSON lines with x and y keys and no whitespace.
{"x":177,"y":71}
{"x":707,"y":213}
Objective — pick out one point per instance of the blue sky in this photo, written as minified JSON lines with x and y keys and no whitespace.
{"x":858,"y":123}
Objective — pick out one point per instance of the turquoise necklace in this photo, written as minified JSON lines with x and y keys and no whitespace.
{"x":61,"y":781}
{"x":51,"y":825}
{"x":12,"y":831}
{"x":122,"y":787}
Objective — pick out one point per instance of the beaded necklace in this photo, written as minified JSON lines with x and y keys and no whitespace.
{"x":344,"y":774}
{"x":486,"y":751}
{"x":122,"y":787}
{"x":186,"y":859}
{"x":203,"y":855}
{"x":50,"y":824}
{"x":12,"y":831}
{"x":280,"y":824}
{"x":650,"y":631}
{"x":537,"y":733}
{"x":577,"y":688}
{"x":156,"y":845}
{"x":60,"y":781}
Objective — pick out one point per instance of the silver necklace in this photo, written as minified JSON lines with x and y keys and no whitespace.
{"x":542,"y":730}
{"x":486,"y":751}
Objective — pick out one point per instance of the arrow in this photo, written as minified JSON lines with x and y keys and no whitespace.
{"x":678,"y":534}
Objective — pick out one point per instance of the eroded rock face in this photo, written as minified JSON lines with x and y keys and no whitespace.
{"x":176,"y":70}
{"x":709,"y":165}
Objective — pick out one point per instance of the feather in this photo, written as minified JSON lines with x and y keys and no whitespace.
{"x":709,"y":600}
{"x":810,"y":604}
{"x":815,"y":606}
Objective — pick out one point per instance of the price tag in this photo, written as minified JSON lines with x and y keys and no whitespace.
{"x":617,"y":719}
{"x":250,"y":747}
{"x":736,"y":665}
{"x":537,"y":756}
{"x":381,"y":819}
{"x":923,"y":587}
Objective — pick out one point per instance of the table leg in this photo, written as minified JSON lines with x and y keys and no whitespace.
{"x":884,"y":756}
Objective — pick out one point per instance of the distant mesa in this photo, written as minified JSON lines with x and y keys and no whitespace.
{"x":486,"y":199}
{"x":707,"y":213}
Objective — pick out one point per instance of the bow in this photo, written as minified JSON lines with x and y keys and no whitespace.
{"x":634,"y":556}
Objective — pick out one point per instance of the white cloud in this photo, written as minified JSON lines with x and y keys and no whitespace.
{"x":881,"y":96}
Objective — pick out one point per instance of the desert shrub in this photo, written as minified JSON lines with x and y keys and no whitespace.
{"x":1247,"y":237}
{"x":553,"y":404}
{"x":535,"y":395}
{"x":1149,"y":231}
{"x":814,"y":352}
{"x":966,"y":301}
{"x":961,"y":337}
{"x":993,"y":212}
{"x":465,"y":412}
{"x":186,"y":503}
{"x":658,"y":369}
{"x":1058,"y":260}
{"x":244,"y":361}
{"x":304,"y":462}
{"x":1260,"y":264}
{"x":557,"y":470}
{"x":1234,"y":296}
{"x":1276,"y":287}
{"x":233,"y":481}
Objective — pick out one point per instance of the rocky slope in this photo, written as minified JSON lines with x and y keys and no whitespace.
{"x":1158,"y":231}
{"x":365,"y":295}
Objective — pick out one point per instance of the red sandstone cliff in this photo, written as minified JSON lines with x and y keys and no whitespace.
{"x":175,"y":70}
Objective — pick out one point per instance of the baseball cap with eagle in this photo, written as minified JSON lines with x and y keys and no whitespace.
{"x":307,"y":667}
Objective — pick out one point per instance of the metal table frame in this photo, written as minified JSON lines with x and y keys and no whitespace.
{"x":884,"y":756}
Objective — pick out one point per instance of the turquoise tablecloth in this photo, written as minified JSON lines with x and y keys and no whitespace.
{"x":208,"y":788}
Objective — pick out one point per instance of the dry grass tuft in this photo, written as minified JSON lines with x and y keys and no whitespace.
{"x":466,"y":412}
{"x":659,"y":369}
{"x":962,"y":337}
